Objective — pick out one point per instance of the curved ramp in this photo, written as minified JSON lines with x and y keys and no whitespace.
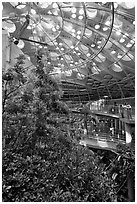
{"x":99,"y":143}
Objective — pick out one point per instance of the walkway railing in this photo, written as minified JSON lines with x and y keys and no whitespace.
{"x":123,"y":112}
{"x":108,"y":137}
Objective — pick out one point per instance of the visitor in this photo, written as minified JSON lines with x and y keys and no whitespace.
{"x":129,"y":115}
{"x":121,"y":111}
{"x":112,"y":132}
{"x":115,"y":108}
{"x":127,"y":109}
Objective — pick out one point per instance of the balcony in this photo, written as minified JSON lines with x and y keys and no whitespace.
{"x":124,"y":112}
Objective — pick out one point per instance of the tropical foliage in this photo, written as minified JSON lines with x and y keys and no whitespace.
{"x":41,"y":162}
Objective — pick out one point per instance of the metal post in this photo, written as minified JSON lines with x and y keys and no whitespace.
{"x":130,"y":186}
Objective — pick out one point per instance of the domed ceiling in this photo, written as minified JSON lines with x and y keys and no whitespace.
{"x":88,"y":47}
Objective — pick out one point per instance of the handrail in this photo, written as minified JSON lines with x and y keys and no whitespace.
{"x":122,"y":112}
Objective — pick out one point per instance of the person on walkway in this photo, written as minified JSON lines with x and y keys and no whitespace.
{"x":129,"y":115}
{"x":121,"y":110}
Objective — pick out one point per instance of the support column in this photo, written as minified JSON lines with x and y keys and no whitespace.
{"x":120,"y":126}
{"x":116,"y":127}
{"x":130,"y":186}
{"x":85,"y":121}
{"x":128,"y":134}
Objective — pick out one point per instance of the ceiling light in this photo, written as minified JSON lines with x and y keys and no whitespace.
{"x":122,"y":40}
{"x":88,"y":33}
{"x":80,"y":17}
{"x":129,"y":45}
{"x":73,"y":34}
{"x":99,"y":42}
{"x":118,"y":32}
{"x":88,"y":55}
{"x":97,"y":26}
{"x":93,"y":45}
{"x":49,"y":63}
{"x":132,"y":41}
{"x":54,"y":5}
{"x":20,"y":44}
{"x":72,"y":47}
{"x":73,"y":30}
{"x":60,"y":44}
{"x":62,"y":48}
{"x":81,"y":11}
{"x":33,"y":11}
{"x":113,"y":52}
{"x":40,"y":46}
{"x":73,"y":10}
{"x":115,"y":5}
{"x":91,"y":13}
{"x":78,"y":32}
{"x":78,"y":37}
{"x":105,"y":28}
{"x":116,"y":68}
{"x":54,"y":29}
{"x":49,"y":12}
{"x":108,"y":23}
{"x":73,"y":15}
{"x":57,"y":27}
{"x":55,"y":12}
{"x":76,"y":48}
{"x":119,"y":56}
{"x":20,"y":6}
{"x":79,"y":53}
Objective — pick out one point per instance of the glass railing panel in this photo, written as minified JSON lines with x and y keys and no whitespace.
{"x":124,"y":112}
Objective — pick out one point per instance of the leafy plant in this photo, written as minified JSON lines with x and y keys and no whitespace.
{"x":41,"y":163}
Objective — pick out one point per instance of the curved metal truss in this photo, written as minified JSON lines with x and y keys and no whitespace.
{"x":88,"y":47}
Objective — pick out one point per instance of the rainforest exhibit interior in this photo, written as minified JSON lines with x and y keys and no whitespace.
{"x":68,"y":101}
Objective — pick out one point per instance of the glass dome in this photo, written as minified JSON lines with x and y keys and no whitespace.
{"x":88,"y":46}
